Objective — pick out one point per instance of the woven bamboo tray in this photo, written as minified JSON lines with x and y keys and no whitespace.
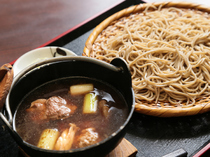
{"x":160,"y":110}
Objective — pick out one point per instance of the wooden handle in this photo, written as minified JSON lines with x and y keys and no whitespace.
{"x":6,"y":78}
{"x":124,"y":149}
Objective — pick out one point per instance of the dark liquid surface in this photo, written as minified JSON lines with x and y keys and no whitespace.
{"x":31,"y":131}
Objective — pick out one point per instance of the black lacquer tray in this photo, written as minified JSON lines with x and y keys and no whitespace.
{"x":152,"y":136}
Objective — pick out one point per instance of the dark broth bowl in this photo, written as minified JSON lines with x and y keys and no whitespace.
{"x":116,"y":74}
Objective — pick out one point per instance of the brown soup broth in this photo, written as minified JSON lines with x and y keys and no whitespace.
{"x":31,"y":131}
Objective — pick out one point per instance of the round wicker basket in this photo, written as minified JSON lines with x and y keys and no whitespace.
{"x":160,"y":110}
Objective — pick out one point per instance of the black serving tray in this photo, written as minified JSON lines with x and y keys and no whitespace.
{"x":152,"y":136}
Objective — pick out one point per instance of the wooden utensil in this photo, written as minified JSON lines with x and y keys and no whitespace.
{"x":6,"y":78}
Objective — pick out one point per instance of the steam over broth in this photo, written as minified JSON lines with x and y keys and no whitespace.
{"x":33,"y":120}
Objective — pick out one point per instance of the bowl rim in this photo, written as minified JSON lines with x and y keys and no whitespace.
{"x":33,"y":52}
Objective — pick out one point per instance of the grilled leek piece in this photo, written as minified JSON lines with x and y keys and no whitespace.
{"x":90,"y":103}
{"x":81,"y":89}
{"x":48,"y":139}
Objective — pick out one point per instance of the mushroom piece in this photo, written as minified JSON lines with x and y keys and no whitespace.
{"x":66,"y":139}
{"x":104,"y":108}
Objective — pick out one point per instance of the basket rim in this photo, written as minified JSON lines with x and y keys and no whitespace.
{"x":141,"y":108}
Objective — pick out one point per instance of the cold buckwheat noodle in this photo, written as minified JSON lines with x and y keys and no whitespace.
{"x":167,"y":50}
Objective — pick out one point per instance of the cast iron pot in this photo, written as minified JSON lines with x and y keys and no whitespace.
{"x":116,"y":74}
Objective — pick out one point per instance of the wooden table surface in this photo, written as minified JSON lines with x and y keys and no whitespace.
{"x":26,"y":25}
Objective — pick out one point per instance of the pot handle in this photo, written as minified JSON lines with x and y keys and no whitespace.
{"x":8,"y":123}
{"x":123,"y":68}
{"x":12,"y":132}
{"x":4,"y":119}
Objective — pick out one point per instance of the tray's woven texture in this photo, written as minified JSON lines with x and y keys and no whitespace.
{"x":162,"y":109}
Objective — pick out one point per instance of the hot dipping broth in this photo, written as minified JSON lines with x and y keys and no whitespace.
{"x":76,"y":112}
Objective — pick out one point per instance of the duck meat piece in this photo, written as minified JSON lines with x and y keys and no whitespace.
{"x":37,"y":110}
{"x":38,"y":104}
{"x":87,"y":137}
{"x":58,"y":108}
{"x":53,"y":108}
{"x":66,"y":139}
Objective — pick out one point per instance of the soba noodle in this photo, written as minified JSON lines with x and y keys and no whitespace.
{"x":167,"y":50}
